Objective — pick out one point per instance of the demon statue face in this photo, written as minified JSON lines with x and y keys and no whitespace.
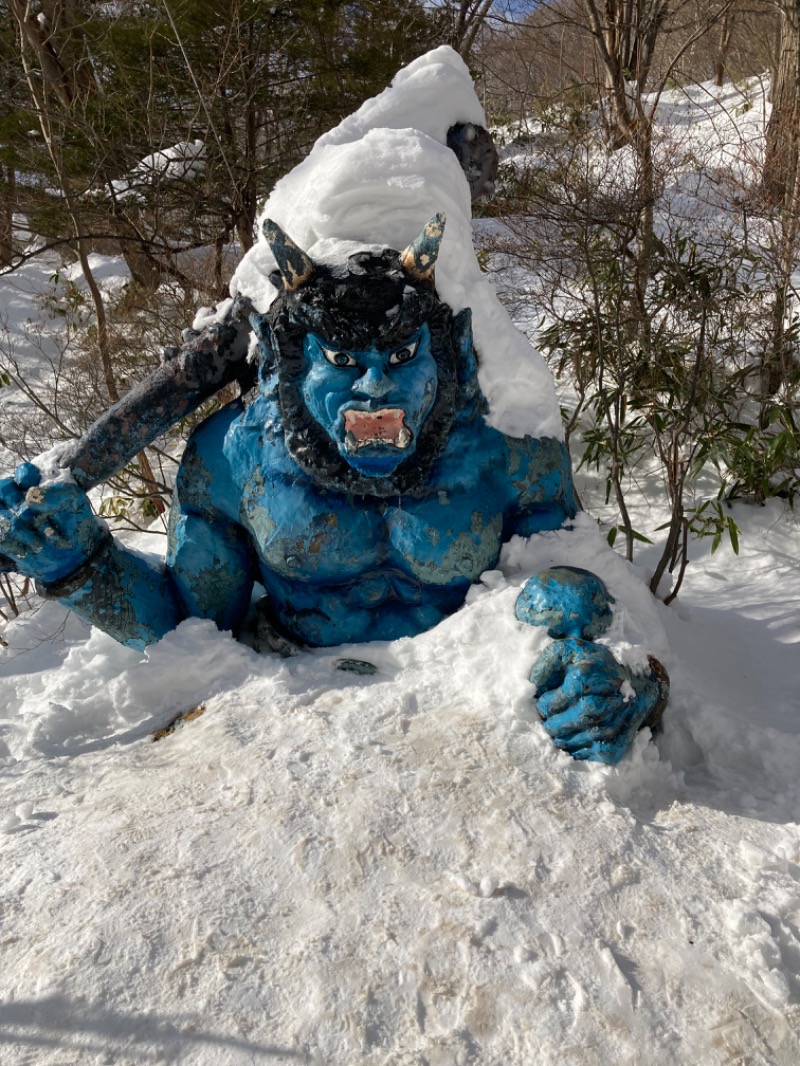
{"x":368,"y":364}
{"x":371,"y":403}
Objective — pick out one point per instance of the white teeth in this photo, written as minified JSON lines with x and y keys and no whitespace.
{"x":361,"y":435}
{"x":402,"y":440}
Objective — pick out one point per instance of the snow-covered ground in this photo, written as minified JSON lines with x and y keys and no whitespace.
{"x":400,"y":869}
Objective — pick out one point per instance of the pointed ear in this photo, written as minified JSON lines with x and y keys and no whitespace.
{"x":294,"y":266}
{"x":419,"y":258}
{"x":461,"y":332}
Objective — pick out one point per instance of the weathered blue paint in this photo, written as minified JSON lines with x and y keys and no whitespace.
{"x":47,"y":531}
{"x":371,"y":403}
{"x":590,"y":704}
{"x":128,"y":597}
{"x":350,"y":551}
{"x":360,"y":484}
{"x":571,"y":602}
{"x":208,"y":360}
{"x":339,"y":567}
{"x":205,"y":362}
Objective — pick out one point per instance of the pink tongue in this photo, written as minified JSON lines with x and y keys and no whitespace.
{"x":374,"y":425}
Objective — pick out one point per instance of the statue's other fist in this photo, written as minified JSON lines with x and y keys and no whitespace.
{"x":590,"y":704}
{"x":571,"y":602}
{"x":46,"y":531}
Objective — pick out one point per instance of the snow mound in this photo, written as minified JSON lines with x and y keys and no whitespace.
{"x":377,"y":179}
{"x":181,"y":162}
{"x":393,"y":869}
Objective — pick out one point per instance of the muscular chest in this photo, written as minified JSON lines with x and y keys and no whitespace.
{"x":302,"y":534}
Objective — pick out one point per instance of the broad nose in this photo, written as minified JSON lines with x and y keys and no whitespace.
{"x":374,"y":383}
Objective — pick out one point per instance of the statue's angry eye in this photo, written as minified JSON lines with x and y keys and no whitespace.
{"x":404,"y":354}
{"x":344,"y":360}
{"x":340,"y":359}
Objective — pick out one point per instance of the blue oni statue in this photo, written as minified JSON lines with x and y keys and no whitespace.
{"x":360,"y":485}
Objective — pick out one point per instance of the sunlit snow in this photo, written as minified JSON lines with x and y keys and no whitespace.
{"x":401,"y":869}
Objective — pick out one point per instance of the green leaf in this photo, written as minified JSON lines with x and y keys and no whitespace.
{"x":733,"y":533}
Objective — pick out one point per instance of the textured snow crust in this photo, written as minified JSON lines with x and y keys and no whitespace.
{"x":401,"y":868}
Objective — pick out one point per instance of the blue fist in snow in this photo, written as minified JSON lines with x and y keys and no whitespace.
{"x":591,"y":705}
{"x":571,"y":602}
{"x":47,"y":532}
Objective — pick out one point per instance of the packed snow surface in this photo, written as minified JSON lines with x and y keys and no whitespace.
{"x":327,"y":868}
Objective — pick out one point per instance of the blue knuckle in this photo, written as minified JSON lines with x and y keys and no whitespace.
{"x":570,"y":602}
{"x":27,"y":476}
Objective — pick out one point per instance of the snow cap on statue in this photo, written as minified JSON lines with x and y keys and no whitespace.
{"x":372,"y":184}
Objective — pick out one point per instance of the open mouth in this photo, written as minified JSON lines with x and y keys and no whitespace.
{"x":363,"y":429}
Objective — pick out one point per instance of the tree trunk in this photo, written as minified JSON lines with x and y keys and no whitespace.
{"x":468,"y":17}
{"x":31,"y":30}
{"x":45,"y":34}
{"x":720,"y":59}
{"x":625,"y":33}
{"x":783,"y":129}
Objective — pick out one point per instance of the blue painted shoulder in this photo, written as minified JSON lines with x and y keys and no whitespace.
{"x":207,"y":438}
{"x":540,"y":475}
{"x":205,"y":483}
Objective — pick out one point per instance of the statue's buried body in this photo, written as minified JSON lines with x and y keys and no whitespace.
{"x":360,"y":484}
{"x":365,"y":481}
